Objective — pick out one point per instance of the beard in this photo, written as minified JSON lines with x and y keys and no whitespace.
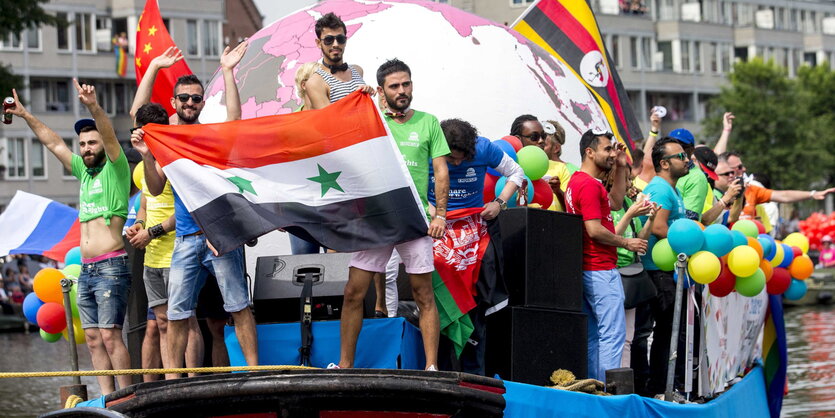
{"x":97,"y":160}
{"x":392,"y":103}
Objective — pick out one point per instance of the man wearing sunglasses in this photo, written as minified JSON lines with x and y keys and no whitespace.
{"x":194,"y":258}
{"x":334,"y":79}
{"x":602,"y":287}
{"x":529,"y":130}
{"x":730,"y":167}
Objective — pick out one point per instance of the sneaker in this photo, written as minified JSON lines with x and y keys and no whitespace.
{"x":333,"y":366}
{"x":380,"y":314}
{"x":432,"y":368}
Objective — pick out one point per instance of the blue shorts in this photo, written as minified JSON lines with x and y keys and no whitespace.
{"x":191,"y":262}
{"x":103,"y":289}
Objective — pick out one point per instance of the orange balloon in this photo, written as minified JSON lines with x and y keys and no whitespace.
{"x":801,"y":267}
{"x":765,"y":266}
{"x":753,"y":243}
{"x":47,"y":285}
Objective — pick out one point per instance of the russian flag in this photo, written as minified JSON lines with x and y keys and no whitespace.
{"x":32,"y":224}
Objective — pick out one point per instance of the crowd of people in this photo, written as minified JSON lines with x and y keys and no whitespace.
{"x":626,"y":206}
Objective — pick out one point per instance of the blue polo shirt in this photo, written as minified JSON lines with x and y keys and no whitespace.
{"x":466,"y":180}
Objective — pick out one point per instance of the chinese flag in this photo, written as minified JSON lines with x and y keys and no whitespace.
{"x":152,"y":39}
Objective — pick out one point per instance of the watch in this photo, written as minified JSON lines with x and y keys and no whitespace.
{"x":502,"y":203}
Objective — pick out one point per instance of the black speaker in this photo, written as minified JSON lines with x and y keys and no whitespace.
{"x":527,"y":344}
{"x":279,"y":280}
{"x":543,"y":258}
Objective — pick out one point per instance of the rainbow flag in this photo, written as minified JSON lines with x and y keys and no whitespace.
{"x":568,"y":30}
{"x":775,"y":356}
{"x":121,"y":59}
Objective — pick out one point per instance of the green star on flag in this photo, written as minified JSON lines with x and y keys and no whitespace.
{"x":243,"y":184}
{"x":327,"y":180}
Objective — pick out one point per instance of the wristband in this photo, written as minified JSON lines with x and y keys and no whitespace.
{"x":156,"y":231}
{"x":812,"y":193}
{"x":141,"y":222}
{"x":443,"y":218}
{"x":653,"y":133}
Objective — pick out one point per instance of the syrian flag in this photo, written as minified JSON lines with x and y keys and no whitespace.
{"x":333,"y":176}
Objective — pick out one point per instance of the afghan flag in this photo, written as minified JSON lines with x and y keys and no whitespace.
{"x":458,"y":256}
{"x":32,"y":224}
{"x":775,"y":355}
{"x":332,"y":176}
{"x":152,"y":39}
{"x":568,"y":30}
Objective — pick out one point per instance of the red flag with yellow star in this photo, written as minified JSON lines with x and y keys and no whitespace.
{"x":152,"y":39}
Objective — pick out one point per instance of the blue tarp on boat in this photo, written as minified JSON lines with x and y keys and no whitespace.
{"x":744,"y":399}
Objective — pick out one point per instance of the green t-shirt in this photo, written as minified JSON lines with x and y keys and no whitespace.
{"x":105,"y":195}
{"x":626,"y":257}
{"x":693,"y":188}
{"x":420,"y":140}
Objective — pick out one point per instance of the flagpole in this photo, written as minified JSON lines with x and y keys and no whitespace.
{"x":681,"y":270}
{"x":525,"y":13}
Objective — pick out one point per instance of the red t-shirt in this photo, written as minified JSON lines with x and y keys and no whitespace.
{"x":586,"y":196}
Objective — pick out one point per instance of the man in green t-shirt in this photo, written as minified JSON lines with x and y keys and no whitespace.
{"x":103,"y":285}
{"x":420,"y":139}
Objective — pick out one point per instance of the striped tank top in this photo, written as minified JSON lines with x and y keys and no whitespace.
{"x":339,"y":88}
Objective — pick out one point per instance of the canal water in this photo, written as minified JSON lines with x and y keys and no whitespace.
{"x":810,"y":334}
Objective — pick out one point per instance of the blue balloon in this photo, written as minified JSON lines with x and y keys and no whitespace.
{"x":31,"y":304}
{"x":73,"y":256}
{"x":512,"y":202}
{"x":718,"y":240}
{"x":507,"y":149}
{"x":739,"y":238}
{"x":796,"y":290}
{"x":768,"y":244}
{"x":788,"y":256}
{"x":685,"y":236}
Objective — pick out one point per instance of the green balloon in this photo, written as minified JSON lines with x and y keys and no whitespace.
{"x":747,"y":227}
{"x":74,"y":299}
{"x":72,"y":271}
{"x":50,"y":338}
{"x":663,"y":255}
{"x":533,"y":161}
{"x":752,"y":285}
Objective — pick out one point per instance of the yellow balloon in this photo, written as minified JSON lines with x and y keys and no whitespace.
{"x":704,"y":267}
{"x":77,"y":331}
{"x":778,"y":255}
{"x":139,"y":174}
{"x":796,"y":239}
{"x":743,"y":261}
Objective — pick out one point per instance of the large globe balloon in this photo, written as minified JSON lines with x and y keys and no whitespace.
{"x":463,"y":66}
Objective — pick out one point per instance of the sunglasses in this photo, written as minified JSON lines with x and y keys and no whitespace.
{"x":535,"y":137}
{"x":680,"y":156}
{"x":728,"y":174}
{"x":340,"y":39}
{"x":195,"y":98}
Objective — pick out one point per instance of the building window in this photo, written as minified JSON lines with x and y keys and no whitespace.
{"x":211,"y":38}
{"x":63,"y":31}
{"x":712,"y":58}
{"x":697,"y":56}
{"x":518,"y":2}
{"x":9,"y":40}
{"x":685,"y":56}
{"x":667,"y":10}
{"x":634,"y":56}
{"x":679,"y":105}
{"x":50,"y":95}
{"x":614,"y":49}
{"x":725,"y":54}
{"x":666,"y":49}
{"x":33,"y":39}
{"x":84,"y":32}
{"x":17,"y":158}
{"x":192,"y":40}
{"x":36,"y":159}
{"x":646,"y":53}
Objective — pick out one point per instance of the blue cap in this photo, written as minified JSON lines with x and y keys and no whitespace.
{"x":683,"y":135}
{"x":82,"y":123}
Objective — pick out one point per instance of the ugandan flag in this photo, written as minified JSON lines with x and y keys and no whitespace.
{"x":333,"y":176}
{"x":775,"y":354}
{"x":568,"y":30}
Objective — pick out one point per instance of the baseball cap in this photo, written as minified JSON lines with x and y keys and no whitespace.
{"x":682,"y":135}
{"x":707,"y":161}
{"x":83,"y":123}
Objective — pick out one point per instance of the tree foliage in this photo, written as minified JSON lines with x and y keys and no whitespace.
{"x":783,"y":126}
{"x":19,"y":15}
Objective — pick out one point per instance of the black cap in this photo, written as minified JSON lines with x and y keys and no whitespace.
{"x":707,"y":161}
{"x":83,"y":123}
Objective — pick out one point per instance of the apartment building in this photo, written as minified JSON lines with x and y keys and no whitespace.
{"x":677,"y":53}
{"x":47,"y":58}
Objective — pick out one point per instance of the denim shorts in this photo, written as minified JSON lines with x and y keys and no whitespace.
{"x":103,"y":288}
{"x":191,"y":262}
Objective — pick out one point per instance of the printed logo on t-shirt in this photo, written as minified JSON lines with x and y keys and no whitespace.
{"x":95,"y":188}
{"x":470,"y":172}
{"x":412,"y":141}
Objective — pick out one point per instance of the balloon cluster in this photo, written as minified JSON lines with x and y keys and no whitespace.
{"x":534,"y":163}
{"x":816,"y":226}
{"x":45,"y":306}
{"x":742,"y":259}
